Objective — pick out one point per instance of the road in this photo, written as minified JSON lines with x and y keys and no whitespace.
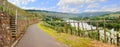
{"x":35,"y":37}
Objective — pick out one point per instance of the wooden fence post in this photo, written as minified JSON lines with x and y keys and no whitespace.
{"x":78,"y":29}
{"x":75,"y":32}
{"x":71,"y":31}
{"x":82,"y":25}
{"x":65,"y":27}
{"x":118,"y":39}
{"x":104,"y":29}
{"x":97,"y":31}
{"x":91,"y":26}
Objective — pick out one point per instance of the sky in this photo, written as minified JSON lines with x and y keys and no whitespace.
{"x":69,"y":6}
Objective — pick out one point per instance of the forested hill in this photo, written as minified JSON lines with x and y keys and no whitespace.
{"x":110,"y":16}
{"x":69,"y":15}
{"x":115,"y":15}
{"x":51,"y":13}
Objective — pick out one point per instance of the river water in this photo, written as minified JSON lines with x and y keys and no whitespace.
{"x":109,"y":34}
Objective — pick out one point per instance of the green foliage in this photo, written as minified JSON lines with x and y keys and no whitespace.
{"x":93,"y":34}
{"x":80,"y":18}
{"x":54,"y":21}
{"x":108,"y":25}
{"x":76,"y":18}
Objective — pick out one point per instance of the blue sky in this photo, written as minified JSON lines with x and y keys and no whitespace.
{"x":69,"y":6}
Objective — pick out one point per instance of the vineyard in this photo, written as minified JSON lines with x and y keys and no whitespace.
{"x":74,"y":30}
{"x":85,"y":28}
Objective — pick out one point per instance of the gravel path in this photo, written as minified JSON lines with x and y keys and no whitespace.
{"x":35,"y":37}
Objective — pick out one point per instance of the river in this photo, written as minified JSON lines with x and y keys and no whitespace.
{"x":109,"y":34}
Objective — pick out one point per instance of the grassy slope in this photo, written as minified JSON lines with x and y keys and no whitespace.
{"x":113,"y":15}
{"x":11,"y":9}
{"x":71,"y":40}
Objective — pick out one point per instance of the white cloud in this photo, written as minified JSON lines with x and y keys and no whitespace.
{"x":72,"y":6}
{"x":112,"y":8}
{"x":25,"y":2}
{"x":43,"y":8}
{"x":77,"y":2}
{"x":18,"y":2}
{"x":65,"y":5}
{"x":94,"y":5}
{"x":68,"y":10}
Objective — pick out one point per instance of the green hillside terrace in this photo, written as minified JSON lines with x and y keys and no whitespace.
{"x":11,"y":9}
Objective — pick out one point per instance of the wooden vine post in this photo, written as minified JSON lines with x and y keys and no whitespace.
{"x":104,"y":22}
{"x":119,"y":22}
{"x":118,"y":39}
{"x":65,"y":30}
{"x":91,"y":26}
{"x":97,"y":31}
{"x":74,"y":27}
{"x":82,"y":25}
{"x":78,"y":29}
{"x":71,"y":31}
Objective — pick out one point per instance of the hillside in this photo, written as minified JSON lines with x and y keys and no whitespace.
{"x":92,"y":14}
{"x":115,"y":15}
{"x":111,"y":16}
{"x":11,"y":9}
{"x":70,"y":15}
{"x":51,"y":13}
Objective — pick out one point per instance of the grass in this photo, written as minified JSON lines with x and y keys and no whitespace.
{"x":11,"y":9}
{"x":67,"y":39}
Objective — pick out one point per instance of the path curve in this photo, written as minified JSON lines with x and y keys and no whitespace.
{"x":35,"y":37}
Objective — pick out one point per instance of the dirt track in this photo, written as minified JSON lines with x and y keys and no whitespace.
{"x":34,"y":37}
